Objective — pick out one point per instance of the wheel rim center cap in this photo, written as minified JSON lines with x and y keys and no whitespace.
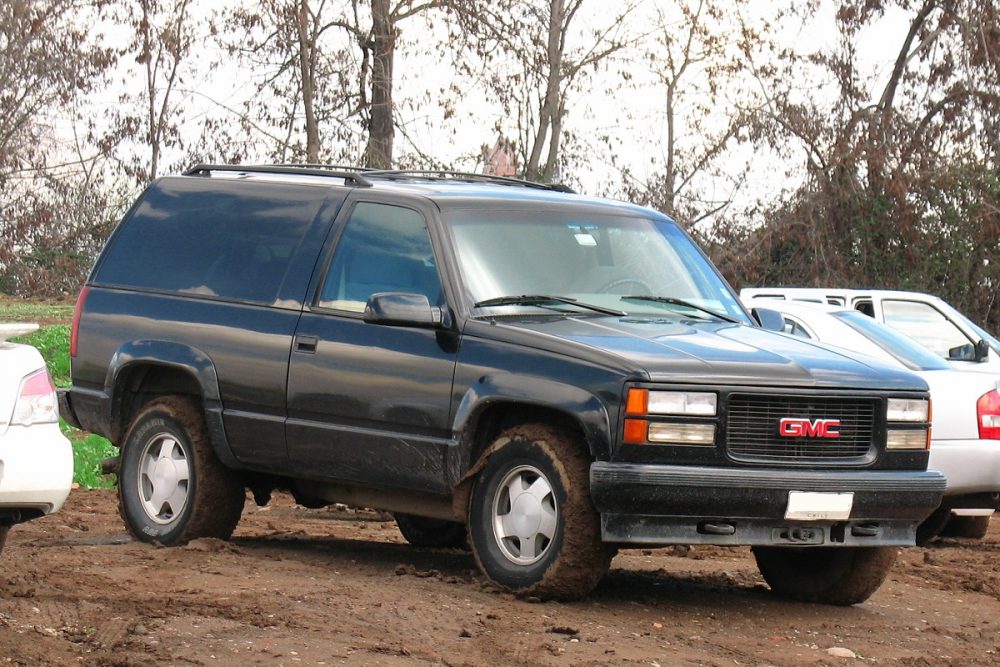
{"x":526,"y":513}
{"x":165,"y":474}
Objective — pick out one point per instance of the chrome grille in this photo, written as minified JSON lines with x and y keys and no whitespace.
{"x":752,"y":427}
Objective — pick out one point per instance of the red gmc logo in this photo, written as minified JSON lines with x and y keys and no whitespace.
{"x":793,"y":427}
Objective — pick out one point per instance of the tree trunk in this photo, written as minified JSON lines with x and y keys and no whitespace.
{"x":550,"y":103}
{"x":307,"y":70}
{"x":381,"y":129}
{"x":147,"y":48}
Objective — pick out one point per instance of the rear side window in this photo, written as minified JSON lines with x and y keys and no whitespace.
{"x":193,"y":237}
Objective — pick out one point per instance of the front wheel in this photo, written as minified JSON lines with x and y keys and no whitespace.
{"x":829,"y":575}
{"x":532,"y":526}
{"x":171,"y":487}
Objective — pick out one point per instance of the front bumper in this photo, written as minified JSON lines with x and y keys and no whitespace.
{"x":36,"y":471}
{"x":663,"y":504}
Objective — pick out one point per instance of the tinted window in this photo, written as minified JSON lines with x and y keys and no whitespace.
{"x":383,"y":249}
{"x":191,"y":236}
{"x":925,"y":324}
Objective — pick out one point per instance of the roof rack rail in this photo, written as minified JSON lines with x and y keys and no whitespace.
{"x":464,"y":176}
{"x":320,"y":165}
{"x":350,"y":178}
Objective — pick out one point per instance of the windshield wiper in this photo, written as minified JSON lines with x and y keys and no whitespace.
{"x":542,"y":300}
{"x":681,"y":302}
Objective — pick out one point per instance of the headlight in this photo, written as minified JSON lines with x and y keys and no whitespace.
{"x":689,"y":403}
{"x":907,"y":410}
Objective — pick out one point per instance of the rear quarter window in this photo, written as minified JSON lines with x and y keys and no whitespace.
{"x":195,"y":236}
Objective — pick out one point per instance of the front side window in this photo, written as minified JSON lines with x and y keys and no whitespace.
{"x":383,"y":249}
{"x":925,"y":324}
{"x":600,"y":259}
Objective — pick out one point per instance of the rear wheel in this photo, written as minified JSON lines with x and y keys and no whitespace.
{"x":532,"y":525}
{"x":171,"y":486}
{"x":432,"y":533}
{"x":972,"y":527}
{"x":931,"y":527}
{"x":830,"y":575}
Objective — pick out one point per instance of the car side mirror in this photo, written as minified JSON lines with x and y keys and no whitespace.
{"x":768,"y":319}
{"x":402,"y":309}
{"x":980,"y":351}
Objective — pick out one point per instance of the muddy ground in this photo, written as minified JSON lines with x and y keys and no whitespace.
{"x":329,"y":587}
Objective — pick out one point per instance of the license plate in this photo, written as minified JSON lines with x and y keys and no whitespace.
{"x":812,"y":506}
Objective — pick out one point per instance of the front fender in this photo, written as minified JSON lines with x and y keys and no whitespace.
{"x":580,"y":405}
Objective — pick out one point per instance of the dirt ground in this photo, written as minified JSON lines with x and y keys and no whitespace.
{"x":334,"y":586}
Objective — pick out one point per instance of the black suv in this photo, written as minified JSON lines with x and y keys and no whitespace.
{"x":540,"y":375}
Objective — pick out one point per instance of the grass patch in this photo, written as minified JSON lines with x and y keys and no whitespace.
{"x":12,"y":310}
{"x":53,"y":343}
{"x":88,"y":452}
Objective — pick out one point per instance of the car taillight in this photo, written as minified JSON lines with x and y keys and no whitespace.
{"x":988,"y":415}
{"x":80,"y":300}
{"x":36,"y":400}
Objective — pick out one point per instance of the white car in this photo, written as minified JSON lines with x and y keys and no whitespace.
{"x":925,"y":318}
{"x":965,"y":436}
{"x":36,"y":459}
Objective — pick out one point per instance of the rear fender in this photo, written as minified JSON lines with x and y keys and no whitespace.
{"x":177,"y":356}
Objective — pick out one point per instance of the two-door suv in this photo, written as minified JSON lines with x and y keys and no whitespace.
{"x":540,"y":374}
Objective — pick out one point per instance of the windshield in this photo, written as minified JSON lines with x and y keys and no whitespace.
{"x":594,"y":259}
{"x":908,"y":351}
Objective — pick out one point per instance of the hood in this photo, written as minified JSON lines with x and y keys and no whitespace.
{"x":719,"y":353}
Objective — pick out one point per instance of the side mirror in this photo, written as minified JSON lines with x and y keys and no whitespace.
{"x":402,"y":309}
{"x":768,"y":319}
{"x":980,"y":351}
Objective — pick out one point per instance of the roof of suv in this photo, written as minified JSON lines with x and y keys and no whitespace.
{"x":436,"y":185}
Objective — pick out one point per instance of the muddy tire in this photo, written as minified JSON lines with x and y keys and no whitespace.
{"x":3,"y":536}
{"x":532,"y":526}
{"x":829,"y":575}
{"x":971,"y":527}
{"x":171,"y":486}
{"x":432,"y":533}
{"x":930,"y":528}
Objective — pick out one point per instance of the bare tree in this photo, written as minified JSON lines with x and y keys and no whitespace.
{"x":901,"y":186}
{"x":693,"y":57}
{"x":164,"y":36}
{"x":47,"y":59}
{"x":534,"y":55}
{"x":329,"y":65}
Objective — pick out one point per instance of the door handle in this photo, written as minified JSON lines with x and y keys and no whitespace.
{"x":306,"y":344}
